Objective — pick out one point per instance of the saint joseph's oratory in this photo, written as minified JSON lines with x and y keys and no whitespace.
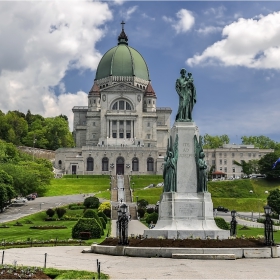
{"x":121,"y":131}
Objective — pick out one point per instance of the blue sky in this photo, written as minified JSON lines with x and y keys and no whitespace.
{"x":50,"y":50}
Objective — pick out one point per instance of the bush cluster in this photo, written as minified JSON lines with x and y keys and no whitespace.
{"x":221,"y":223}
{"x":91,"y":202}
{"x":87,"y":225}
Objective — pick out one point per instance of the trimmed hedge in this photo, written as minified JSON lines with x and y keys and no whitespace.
{"x":91,"y":202}
{"x":103,"y":222}
{"x":221,"y":223}
{"x":87,"y":225}
{"x":153,"y":217}
{"x":101,"y":214}
{"x":89,"y":213}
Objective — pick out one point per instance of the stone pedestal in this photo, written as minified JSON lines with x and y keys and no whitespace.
{"x":186,"y":213}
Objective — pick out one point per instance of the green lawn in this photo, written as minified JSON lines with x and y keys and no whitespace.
{"x":23,"y":233}
{"x":68,"y":185}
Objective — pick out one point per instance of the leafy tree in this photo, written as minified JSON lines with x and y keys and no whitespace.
{"x":266,"y":163}
{"x":3,"y":196}
{"x":273,"y":200}
{"x":261,"y":142}
{"x":104,"y":205}
{"x":141,"y":212}
{"x":153,"y":217}
{"x":87,"y":225}
{"x":213,"y":142}
{"x":250,"y":167}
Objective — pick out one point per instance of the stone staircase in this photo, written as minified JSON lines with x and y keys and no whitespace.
{"x":128,"y":198}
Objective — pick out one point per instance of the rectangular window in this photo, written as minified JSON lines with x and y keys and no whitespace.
{"x":213,"y":154}
{"x":128,"y":135}
{"x":221,"y":168}
{"x":149,"y":145}
{"x":148,"y":124}
{"x":114,"y":135}
{"x":121,"y":134}
{"x":249,"y":154}
{"x":128,"y":123}
{"x":254,"y":155}
{"x":220,"y":154}
{"x":233,"y":170}
{"x":221,"y":161}
{"x":232,"y":154}
{"x":225,"y":154}
{"x":121,"y":105}
{"x":233,"y":162}
{"x":213,"y":162}
{"x":241,"y":154}
{"x":114,"y":122}
{"x":225,"y":161}
{"x":225,"y":169}
{"x":93,"y":124}
{"x":121,"y":122}
{"x":148,"y":136}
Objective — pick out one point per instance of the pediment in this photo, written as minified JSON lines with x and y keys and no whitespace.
{"x":123,"y":87}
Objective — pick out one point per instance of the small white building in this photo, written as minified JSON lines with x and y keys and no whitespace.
{"x":223,"y":158}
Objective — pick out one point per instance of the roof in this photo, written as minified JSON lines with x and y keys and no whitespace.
{"x":122,"y":60}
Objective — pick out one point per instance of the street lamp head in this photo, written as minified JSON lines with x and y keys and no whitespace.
{"x":123,"y":208}
{"x":233,"y":213}
{"x":267,"y":210}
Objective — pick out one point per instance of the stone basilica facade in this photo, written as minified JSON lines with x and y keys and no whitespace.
{"x":121,"y":131}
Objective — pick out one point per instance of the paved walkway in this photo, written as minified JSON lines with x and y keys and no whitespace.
{"x":134,"y":227}
{"x":145,"y":268}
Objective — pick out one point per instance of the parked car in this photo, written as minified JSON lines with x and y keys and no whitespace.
{"x":19,"y":200}
{"x":222,"y":209}
{"x":30,"y":197}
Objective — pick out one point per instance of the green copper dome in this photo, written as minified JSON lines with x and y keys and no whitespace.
{"x":122,"y":60}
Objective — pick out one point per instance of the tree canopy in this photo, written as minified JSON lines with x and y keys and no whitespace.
{"x":213,"y":142}
{"x":266,"y":164}
{"x":273,"y":200}
{"x":35,"y":130}
{"x":261,"y":142}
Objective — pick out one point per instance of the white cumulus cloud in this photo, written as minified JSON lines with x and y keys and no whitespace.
{"x":184,"y":22}
{"x":40,"y":41}
{"x":252,"y":43}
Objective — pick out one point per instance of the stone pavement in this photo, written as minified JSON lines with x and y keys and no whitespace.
{"x":134,"y":227}
{"x":119,"y":267}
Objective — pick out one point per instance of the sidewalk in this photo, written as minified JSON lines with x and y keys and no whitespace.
{"x":134,"y":227}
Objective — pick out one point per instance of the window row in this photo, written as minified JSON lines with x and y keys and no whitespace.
{"x":120,"y":161}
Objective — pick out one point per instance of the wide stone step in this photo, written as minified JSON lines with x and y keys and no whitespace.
{"x":204,"y":256}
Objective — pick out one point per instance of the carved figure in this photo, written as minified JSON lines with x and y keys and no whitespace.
{"x":170,"y":166}
{"x":187,"y":96}
{"x":202,"y":169}
{"x":201,"y":166}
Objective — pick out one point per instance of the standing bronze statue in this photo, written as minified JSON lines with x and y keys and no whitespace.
{"x":170,"y":166}
{"x":187,"y":96}
{"x":201,"y":166}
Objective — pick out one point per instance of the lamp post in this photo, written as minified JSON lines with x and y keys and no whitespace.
{"x":233,"y":224}
{"x":123,"y":225}
{"x":268,"y":227}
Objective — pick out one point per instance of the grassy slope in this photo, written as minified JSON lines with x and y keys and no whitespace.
{"x":66,"y":186}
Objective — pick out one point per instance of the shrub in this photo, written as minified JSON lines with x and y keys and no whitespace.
{"x":107,"y":212}
{"x":50,"y":212}
{"x":103,"y":222}
{"x":101,"y":214}
{"x":60,"y":212}
{"x":141,"y":212}
{"x":89,"y":213}
{"x":104,"y":205}
{"x":142,"y":203}
{"x":150,"y":210}
{"x":85,"y":235}
{"x":91,"y":202}
{"x":153,"y":217}
{"x":221,"y":223}
{"x":86,"y":225}
{"x":76,"y":207}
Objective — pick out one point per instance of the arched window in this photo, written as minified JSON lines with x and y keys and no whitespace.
{"x":122,"y":105}
{"x":105,"y":164}
{"x":135,"y":164}
{"x":89,"y":164}
{"x":150,"y":164}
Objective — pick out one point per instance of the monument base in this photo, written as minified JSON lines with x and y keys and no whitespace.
{"x":183,"y":216}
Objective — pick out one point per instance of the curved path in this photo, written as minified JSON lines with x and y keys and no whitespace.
{"x":144,"y":268}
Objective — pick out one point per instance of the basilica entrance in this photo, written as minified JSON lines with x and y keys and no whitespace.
{"x":120,"y":166}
